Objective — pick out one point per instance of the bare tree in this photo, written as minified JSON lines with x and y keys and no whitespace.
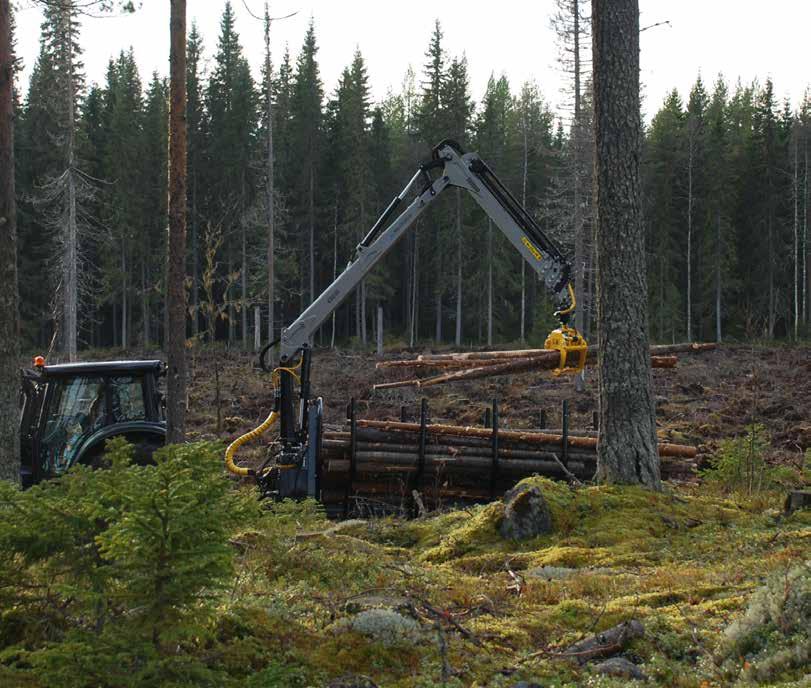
{"x":627,"y":446}
{"x":9,"y":314}
{"x":176,"y":277}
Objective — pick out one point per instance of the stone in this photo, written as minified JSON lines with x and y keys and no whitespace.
{"x":526,"y":514}
{"x":619,"y":667}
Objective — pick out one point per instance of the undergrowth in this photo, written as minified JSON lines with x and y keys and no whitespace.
{"x":168,"y":575}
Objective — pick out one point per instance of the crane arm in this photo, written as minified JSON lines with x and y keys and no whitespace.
{"x":299,"y":431}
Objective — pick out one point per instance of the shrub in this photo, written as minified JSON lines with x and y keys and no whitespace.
{"x":772,"y":638}
{"x":111,"y":575}
{"x":740,"y":465}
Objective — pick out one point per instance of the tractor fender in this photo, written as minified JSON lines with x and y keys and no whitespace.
{"x":146,"y":436}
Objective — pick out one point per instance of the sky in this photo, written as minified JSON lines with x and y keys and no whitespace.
{"x":746,"y":39}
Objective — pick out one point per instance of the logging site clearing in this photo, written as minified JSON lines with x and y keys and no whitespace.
{"x":446,"y":599}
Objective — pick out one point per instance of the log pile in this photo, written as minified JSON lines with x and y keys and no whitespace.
{"x":447,"y":463}
{"x":474,"y":365}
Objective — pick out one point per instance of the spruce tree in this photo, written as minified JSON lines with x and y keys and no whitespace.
{"x":196,"y":137}
{"x":232,"y":109}
{"x":306,"y":116}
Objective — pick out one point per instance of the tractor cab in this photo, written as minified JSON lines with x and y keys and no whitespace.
{"x":70,"y":410}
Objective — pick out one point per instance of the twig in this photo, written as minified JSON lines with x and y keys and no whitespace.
{"x":571,"y":476}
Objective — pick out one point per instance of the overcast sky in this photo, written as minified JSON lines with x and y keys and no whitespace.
{"x":739,"y":38}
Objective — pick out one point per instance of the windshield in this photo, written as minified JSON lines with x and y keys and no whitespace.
{"x":76,"y":409}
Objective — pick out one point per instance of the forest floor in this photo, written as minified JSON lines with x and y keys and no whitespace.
{"x":443,"y":600}
{"x":709,"y":397}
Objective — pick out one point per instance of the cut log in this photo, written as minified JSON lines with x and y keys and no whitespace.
{"x":665,"y":449}
{"x":493,"y":368}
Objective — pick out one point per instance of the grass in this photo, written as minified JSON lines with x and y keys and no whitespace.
{"x":684,"y":562}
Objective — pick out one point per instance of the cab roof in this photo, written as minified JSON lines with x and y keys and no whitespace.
{"x":102,"y":368}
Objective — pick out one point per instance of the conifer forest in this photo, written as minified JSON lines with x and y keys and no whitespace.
{"x":464,"y":383}
{"x":724,"y":171}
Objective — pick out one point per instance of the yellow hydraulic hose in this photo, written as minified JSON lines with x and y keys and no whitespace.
{"x":571,"y":308}
{"x":239,"y":441}
{"x":256,"y":432}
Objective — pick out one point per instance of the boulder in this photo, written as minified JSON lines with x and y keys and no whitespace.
{"x":526,"y":514}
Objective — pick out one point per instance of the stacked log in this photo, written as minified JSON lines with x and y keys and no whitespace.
{"x":480,"y":364}
{"x":456,"y":463}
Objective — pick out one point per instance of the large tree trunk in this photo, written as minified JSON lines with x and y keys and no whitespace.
{"x":9,"y":315}
{"x":176,"y":290}
{"x":627,"y":447}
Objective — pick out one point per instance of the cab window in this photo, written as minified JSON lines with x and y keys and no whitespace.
{"x":76,"y":409}
{"x":126,"y":398}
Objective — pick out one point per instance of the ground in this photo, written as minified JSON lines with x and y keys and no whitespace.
{"x":331,"y":601}
{"x":708,"y":397}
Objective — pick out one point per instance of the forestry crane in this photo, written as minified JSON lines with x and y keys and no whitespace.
{"x":292,"y":471}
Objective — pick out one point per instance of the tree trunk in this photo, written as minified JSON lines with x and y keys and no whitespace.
{"x":144,"y":303}
{"x":379,"y":329}
{"x":414,"y":331}
{"x":524,"y":171}
{"x":176,"y":290}
{"x":244,"y":287}
{"x":577,"y":183}
{"x":311,"y":220}
{"x":9,"y":313}
{"x":691,"y":143}
{"x":270,"y":192}
{"x":71,"y":268}
{"x":458,"y":335}
{"x":796,"y":193}
{"x":334,"y":265}
{"x":719,"y":252}
{"x":257,"y":328}
{"x":195,"y":260}
{"x":124,"y":295}
{"x":627,"y":451}
{"x":489,"y":282}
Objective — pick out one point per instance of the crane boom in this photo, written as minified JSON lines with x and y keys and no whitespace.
{"x":463,"y":170}
{"x":294,"y":471}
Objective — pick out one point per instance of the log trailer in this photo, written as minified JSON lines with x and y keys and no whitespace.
{"x":292,"y":470}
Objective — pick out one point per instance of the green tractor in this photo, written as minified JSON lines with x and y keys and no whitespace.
{"x":70,"y":410}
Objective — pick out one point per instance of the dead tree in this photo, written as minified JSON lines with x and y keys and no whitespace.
{"x":9,"y":315}
{"x":627,"y":451}
{"x":176,"y":290}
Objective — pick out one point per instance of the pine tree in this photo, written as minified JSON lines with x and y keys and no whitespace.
{"x":626,"y":449}
{"x":196,"y":136}
{"x":123,"y":156}
{"x":153,"y":231}
{"x":457,"y":110}
{"x":430,"y":123}
{"x":9,"y":313}
{"x":67,"y":188}
{"x":231,"y":104}
{"x":305,"y":139}
{"x":663,"y":214}
{"x":492,"y":144}
{"x":695,"y":161}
